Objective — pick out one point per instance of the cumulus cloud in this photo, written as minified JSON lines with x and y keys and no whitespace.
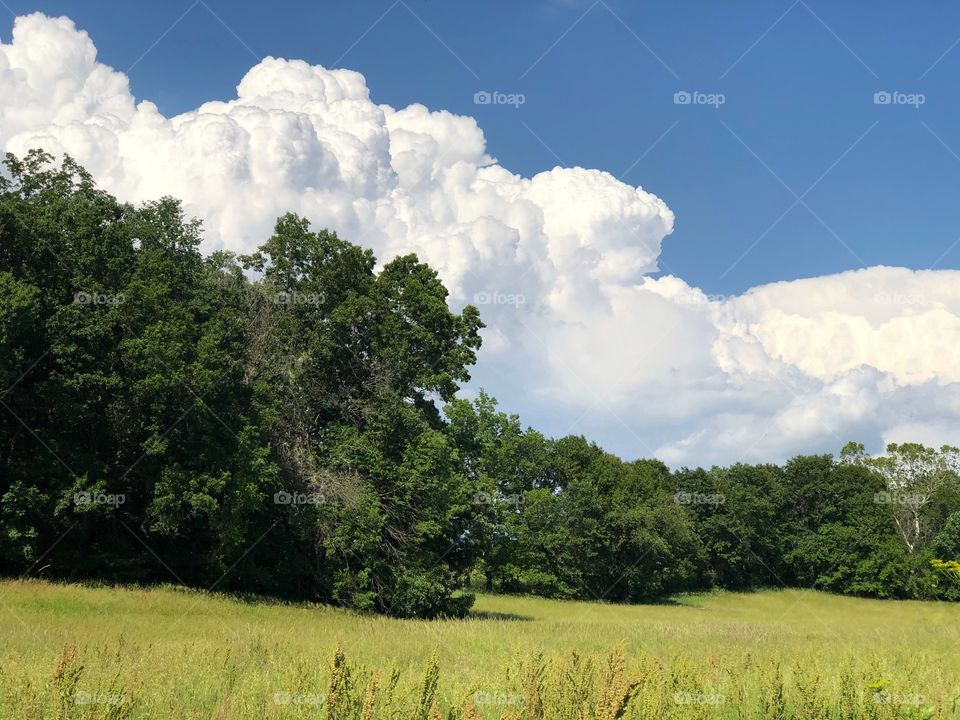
{"x":581,"y":337}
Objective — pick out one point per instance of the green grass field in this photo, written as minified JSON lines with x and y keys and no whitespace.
{"x":74,"y":651}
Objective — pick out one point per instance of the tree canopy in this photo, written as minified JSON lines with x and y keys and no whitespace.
{"x":288,"y":422}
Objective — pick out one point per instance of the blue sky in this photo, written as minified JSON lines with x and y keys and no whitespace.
{"x":599,"y":82}
{"x":820,"y":139}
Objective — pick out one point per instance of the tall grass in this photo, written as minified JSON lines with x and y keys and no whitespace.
{"x":80,"y":652}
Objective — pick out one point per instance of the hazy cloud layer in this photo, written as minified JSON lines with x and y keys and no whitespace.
{"x":581,"y":337}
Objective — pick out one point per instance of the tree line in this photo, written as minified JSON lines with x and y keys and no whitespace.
{"x":287,"y":423}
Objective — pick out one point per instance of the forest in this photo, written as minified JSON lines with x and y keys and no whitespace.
{"x":289,"y":423}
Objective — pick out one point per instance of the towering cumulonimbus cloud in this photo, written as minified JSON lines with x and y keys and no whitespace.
{"x":581,"y":337}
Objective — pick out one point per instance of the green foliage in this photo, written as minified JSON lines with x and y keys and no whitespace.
{"x":188,"y":404}
{"x":287,"y":422}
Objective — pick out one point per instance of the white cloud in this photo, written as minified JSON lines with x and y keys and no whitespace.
{"x":581,"y":337}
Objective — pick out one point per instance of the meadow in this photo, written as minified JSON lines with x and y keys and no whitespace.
{"x":72,"y":651}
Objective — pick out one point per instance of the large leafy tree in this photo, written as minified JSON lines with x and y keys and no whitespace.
{"x":349,"y":364}
{"x":738,"y":515}
{"x":502,"y":462}
{"x":918,"y":478}
{"x":600,"y":528}
{"x":184,"y":402}
{"x":125,"y":424}
{"x":838,"y":537}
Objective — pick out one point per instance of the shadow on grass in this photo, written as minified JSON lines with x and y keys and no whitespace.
{"x":493,"y":615}
{"x":185,"y":591}
{"x":670,"y":601}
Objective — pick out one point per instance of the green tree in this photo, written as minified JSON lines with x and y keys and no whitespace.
{"x":915,"y":476}
{"x":348,"y":365}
